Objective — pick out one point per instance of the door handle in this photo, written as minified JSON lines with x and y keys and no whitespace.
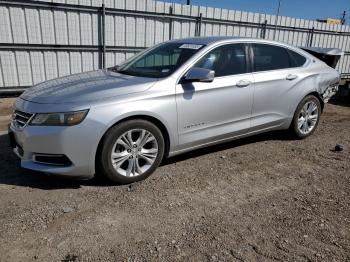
{"x":291,"y":77}
{"x":243,"y":83}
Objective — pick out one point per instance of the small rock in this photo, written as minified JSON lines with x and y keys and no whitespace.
{"x":223,"y":157}
{"x":60,"y":244}
{"x":67,"y":209}
{"x":305,"y":236}
{"x":173,"y":242}
{"x":70,"y":258}
{"x":338,"y":148}
{"x":130,"y":188}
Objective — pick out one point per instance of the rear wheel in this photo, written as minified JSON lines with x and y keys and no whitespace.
{"x":131,"y":151}
{"x":306,"y":117}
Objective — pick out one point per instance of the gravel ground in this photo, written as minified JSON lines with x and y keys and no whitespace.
{"x":265,"y":198}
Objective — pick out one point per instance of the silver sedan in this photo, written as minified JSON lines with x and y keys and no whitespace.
{"x":174,"y":97}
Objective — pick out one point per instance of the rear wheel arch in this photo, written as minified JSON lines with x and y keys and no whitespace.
{"x":294,"y":125}
{"x":316,"y":94}
{"x":311,"y":93}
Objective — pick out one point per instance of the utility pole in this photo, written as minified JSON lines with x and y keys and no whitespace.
{"x":276,"y":20}
{"x":342,"y":20}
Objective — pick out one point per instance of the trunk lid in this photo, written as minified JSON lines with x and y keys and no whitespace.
{"x":330,"y":56}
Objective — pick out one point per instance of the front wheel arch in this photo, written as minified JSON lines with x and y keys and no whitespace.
{"x":150,"y":119}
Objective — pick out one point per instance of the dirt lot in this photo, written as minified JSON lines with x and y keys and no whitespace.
{"x":264,"y":198}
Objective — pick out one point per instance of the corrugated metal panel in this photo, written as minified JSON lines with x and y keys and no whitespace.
{"x":47,"y":27}
{"x":18,"y":25}
{"x":9,"y":68}
{"x":63,"y":62}
{"x":33,"y":26}
{"x":56,"y":26}
{"x":60,"y":25}
{"x":37,"y":60}
{"x":87,"y":61}
{"x":110,"y":59}
{"x":1,"y":75}
{"x":50,"y":64}
{"x":24,"y":68}
{"x":5,"y":25}
{"x":75,"y":61}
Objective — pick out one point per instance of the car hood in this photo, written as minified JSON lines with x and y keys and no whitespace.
{"x":89,"y":86}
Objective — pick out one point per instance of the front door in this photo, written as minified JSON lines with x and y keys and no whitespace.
{"x":219,"y":109}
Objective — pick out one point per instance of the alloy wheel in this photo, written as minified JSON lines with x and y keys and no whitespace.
{"x":134,"y":152}
{"x":308,"y":117}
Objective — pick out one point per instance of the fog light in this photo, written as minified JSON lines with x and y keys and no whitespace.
{"x":49,"y":159}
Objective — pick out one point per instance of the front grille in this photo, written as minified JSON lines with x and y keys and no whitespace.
{"x":20,"y":118}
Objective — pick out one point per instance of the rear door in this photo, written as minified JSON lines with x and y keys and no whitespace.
{"x":222,"y":108}
{"x":276,"y":71}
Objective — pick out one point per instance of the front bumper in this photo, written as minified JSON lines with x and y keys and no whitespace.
{"x":77,"y":143}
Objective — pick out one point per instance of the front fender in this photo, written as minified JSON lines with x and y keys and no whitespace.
{"x":163,"y":110}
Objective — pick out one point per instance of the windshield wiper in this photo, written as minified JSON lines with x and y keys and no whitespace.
{"x":148,"y":73}
{"x":125,"y":72}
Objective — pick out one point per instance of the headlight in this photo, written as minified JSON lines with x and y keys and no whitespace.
{"x":59,"y":119}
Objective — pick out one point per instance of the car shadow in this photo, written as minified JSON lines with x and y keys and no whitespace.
{"x":340,"y":102}
{"x":342,"y":98}
{"x":268,"y":136}
{"x":12,"y":174}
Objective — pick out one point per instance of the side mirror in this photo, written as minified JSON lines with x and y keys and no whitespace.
{"x":197,"y":74}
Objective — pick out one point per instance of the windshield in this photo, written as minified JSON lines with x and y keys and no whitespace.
{"x":160,"y":61}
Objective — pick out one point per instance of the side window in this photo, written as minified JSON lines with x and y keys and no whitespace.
{"x":296,"y":59}
{"x":269,"y":57}
{"x":225,"y":60}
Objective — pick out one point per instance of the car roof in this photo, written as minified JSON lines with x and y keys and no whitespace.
{"x":207,"y":40}
{"x":204,"y":40}
{"x":210,"y":40}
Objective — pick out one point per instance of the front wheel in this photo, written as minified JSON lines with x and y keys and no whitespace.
{"x":131,"y":151}
{"x":306,"y":117}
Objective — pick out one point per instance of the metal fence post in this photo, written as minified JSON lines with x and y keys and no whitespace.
{"x":103,"y":37}
{"x":198,"y":25}
{"x":263,"y":30}
{"x":170,"y":23}
{"x":311,"y":36}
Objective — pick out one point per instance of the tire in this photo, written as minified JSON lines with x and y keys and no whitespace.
{"x":309,"y":110}
{"x":120,"y":151}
